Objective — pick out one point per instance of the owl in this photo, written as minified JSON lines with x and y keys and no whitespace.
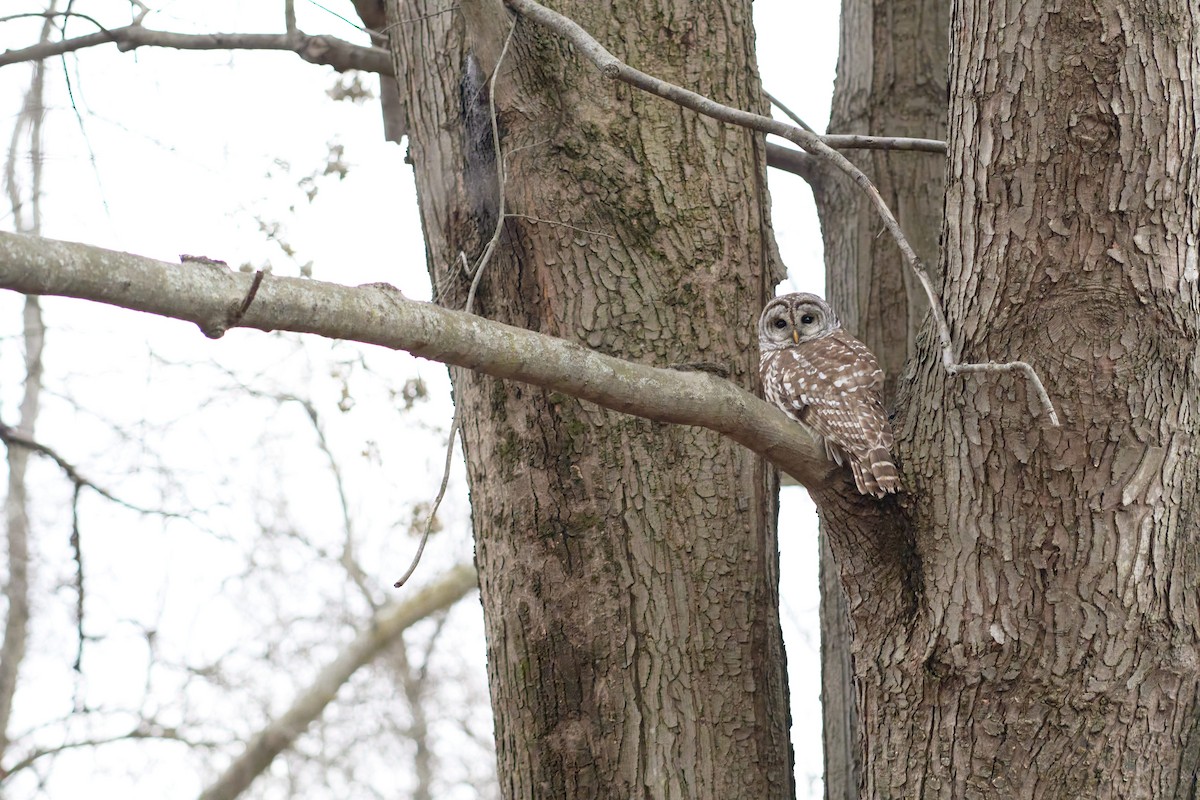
{"x":829,"y":382}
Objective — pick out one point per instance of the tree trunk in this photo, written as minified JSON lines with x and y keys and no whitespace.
{"x":1036,"y":632}
{"x":891,"y":80}
{"x":628,"y":569}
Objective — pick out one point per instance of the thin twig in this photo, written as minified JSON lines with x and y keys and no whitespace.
{"x":501,"y":178}
{"x":236,"y":317}
{"x":845,"y":141}
{"x":144,"y":730}
{"x":841,"y":141}
{"x":346,"y":559}
{"x":52,"y":15}
{"x":12,"y":438}
{"x":788,"y":112}
{"x":561,"y":225}
{"x":77,"y":552}
{"x":329,"y":50}
{"x":612,"y":67}
{"x":1013,"y":366}
{"x":480,"y":266}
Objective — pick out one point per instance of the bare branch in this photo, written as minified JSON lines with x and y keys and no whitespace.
{"x":204,"y":294}
{"x":794,"y":161}
{"x":792,"y":115}
{"x":289,"y":18}
{"x":14,"y":438}
{"x":840,"y":141}
{"x":1014,"y":366}
{"x":612,"y":67}
{"x":49,"y":15}
{"x":381,"y":631}
{"x":146,"y":729}
{"x":480,"y":266}
{"x":77,"y":555}
{"x":327,"y":50}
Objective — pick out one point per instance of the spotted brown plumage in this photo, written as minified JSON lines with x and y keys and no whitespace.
{"x":828,"y":381}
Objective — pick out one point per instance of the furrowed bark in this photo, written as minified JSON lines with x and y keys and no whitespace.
{"x":628,"y":570}
{"x":1053,"y":648}
{"x":891,"y":78}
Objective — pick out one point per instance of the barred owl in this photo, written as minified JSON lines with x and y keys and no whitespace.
{"x":828,"y":381}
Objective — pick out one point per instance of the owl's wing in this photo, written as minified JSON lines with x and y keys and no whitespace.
{"x":832,"y":385}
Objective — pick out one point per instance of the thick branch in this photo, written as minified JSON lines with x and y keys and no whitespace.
{"x":382,"y":631}
{"x":797,"y":162}
{"x":210,"y":295}
{"x":329,"y":50}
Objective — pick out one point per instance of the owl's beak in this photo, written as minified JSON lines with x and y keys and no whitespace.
{"x":795,"y":336}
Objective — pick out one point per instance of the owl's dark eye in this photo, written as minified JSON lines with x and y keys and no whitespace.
{"x":781,"y":323}
{"x":807,"y":319}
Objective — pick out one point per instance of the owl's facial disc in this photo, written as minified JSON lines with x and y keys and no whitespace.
{"x":810,"y":321}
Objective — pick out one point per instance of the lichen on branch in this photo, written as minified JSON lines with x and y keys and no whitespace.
{"x":207,"y":294}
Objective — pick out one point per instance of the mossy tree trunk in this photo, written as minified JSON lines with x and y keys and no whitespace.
{"x":1023,"y":623}
{"x":628,"y":569}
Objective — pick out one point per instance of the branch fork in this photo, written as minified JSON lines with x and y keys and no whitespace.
{"x":612,"y":67}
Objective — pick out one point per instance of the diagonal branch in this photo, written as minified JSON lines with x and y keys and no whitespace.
{"x":612,"y":67}
{"x":328,"y":50}
{"x":343,"y":56}
{"x":204,"y":293}
{"x":382,"y":630}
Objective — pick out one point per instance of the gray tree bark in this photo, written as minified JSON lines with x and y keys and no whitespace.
{"x":891,"y":80}
{"x":628,"y":570}
{"x":1026,"y":623}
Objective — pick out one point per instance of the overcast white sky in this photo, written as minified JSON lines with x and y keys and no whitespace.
{"x":180,"y":153}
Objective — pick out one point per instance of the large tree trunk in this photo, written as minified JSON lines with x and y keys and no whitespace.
{"x":628,"y":569}
{"x":891,"y":80}
{"x":1036,"y":634}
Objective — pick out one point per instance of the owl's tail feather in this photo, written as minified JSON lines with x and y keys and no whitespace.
{"x":876,"y":474}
